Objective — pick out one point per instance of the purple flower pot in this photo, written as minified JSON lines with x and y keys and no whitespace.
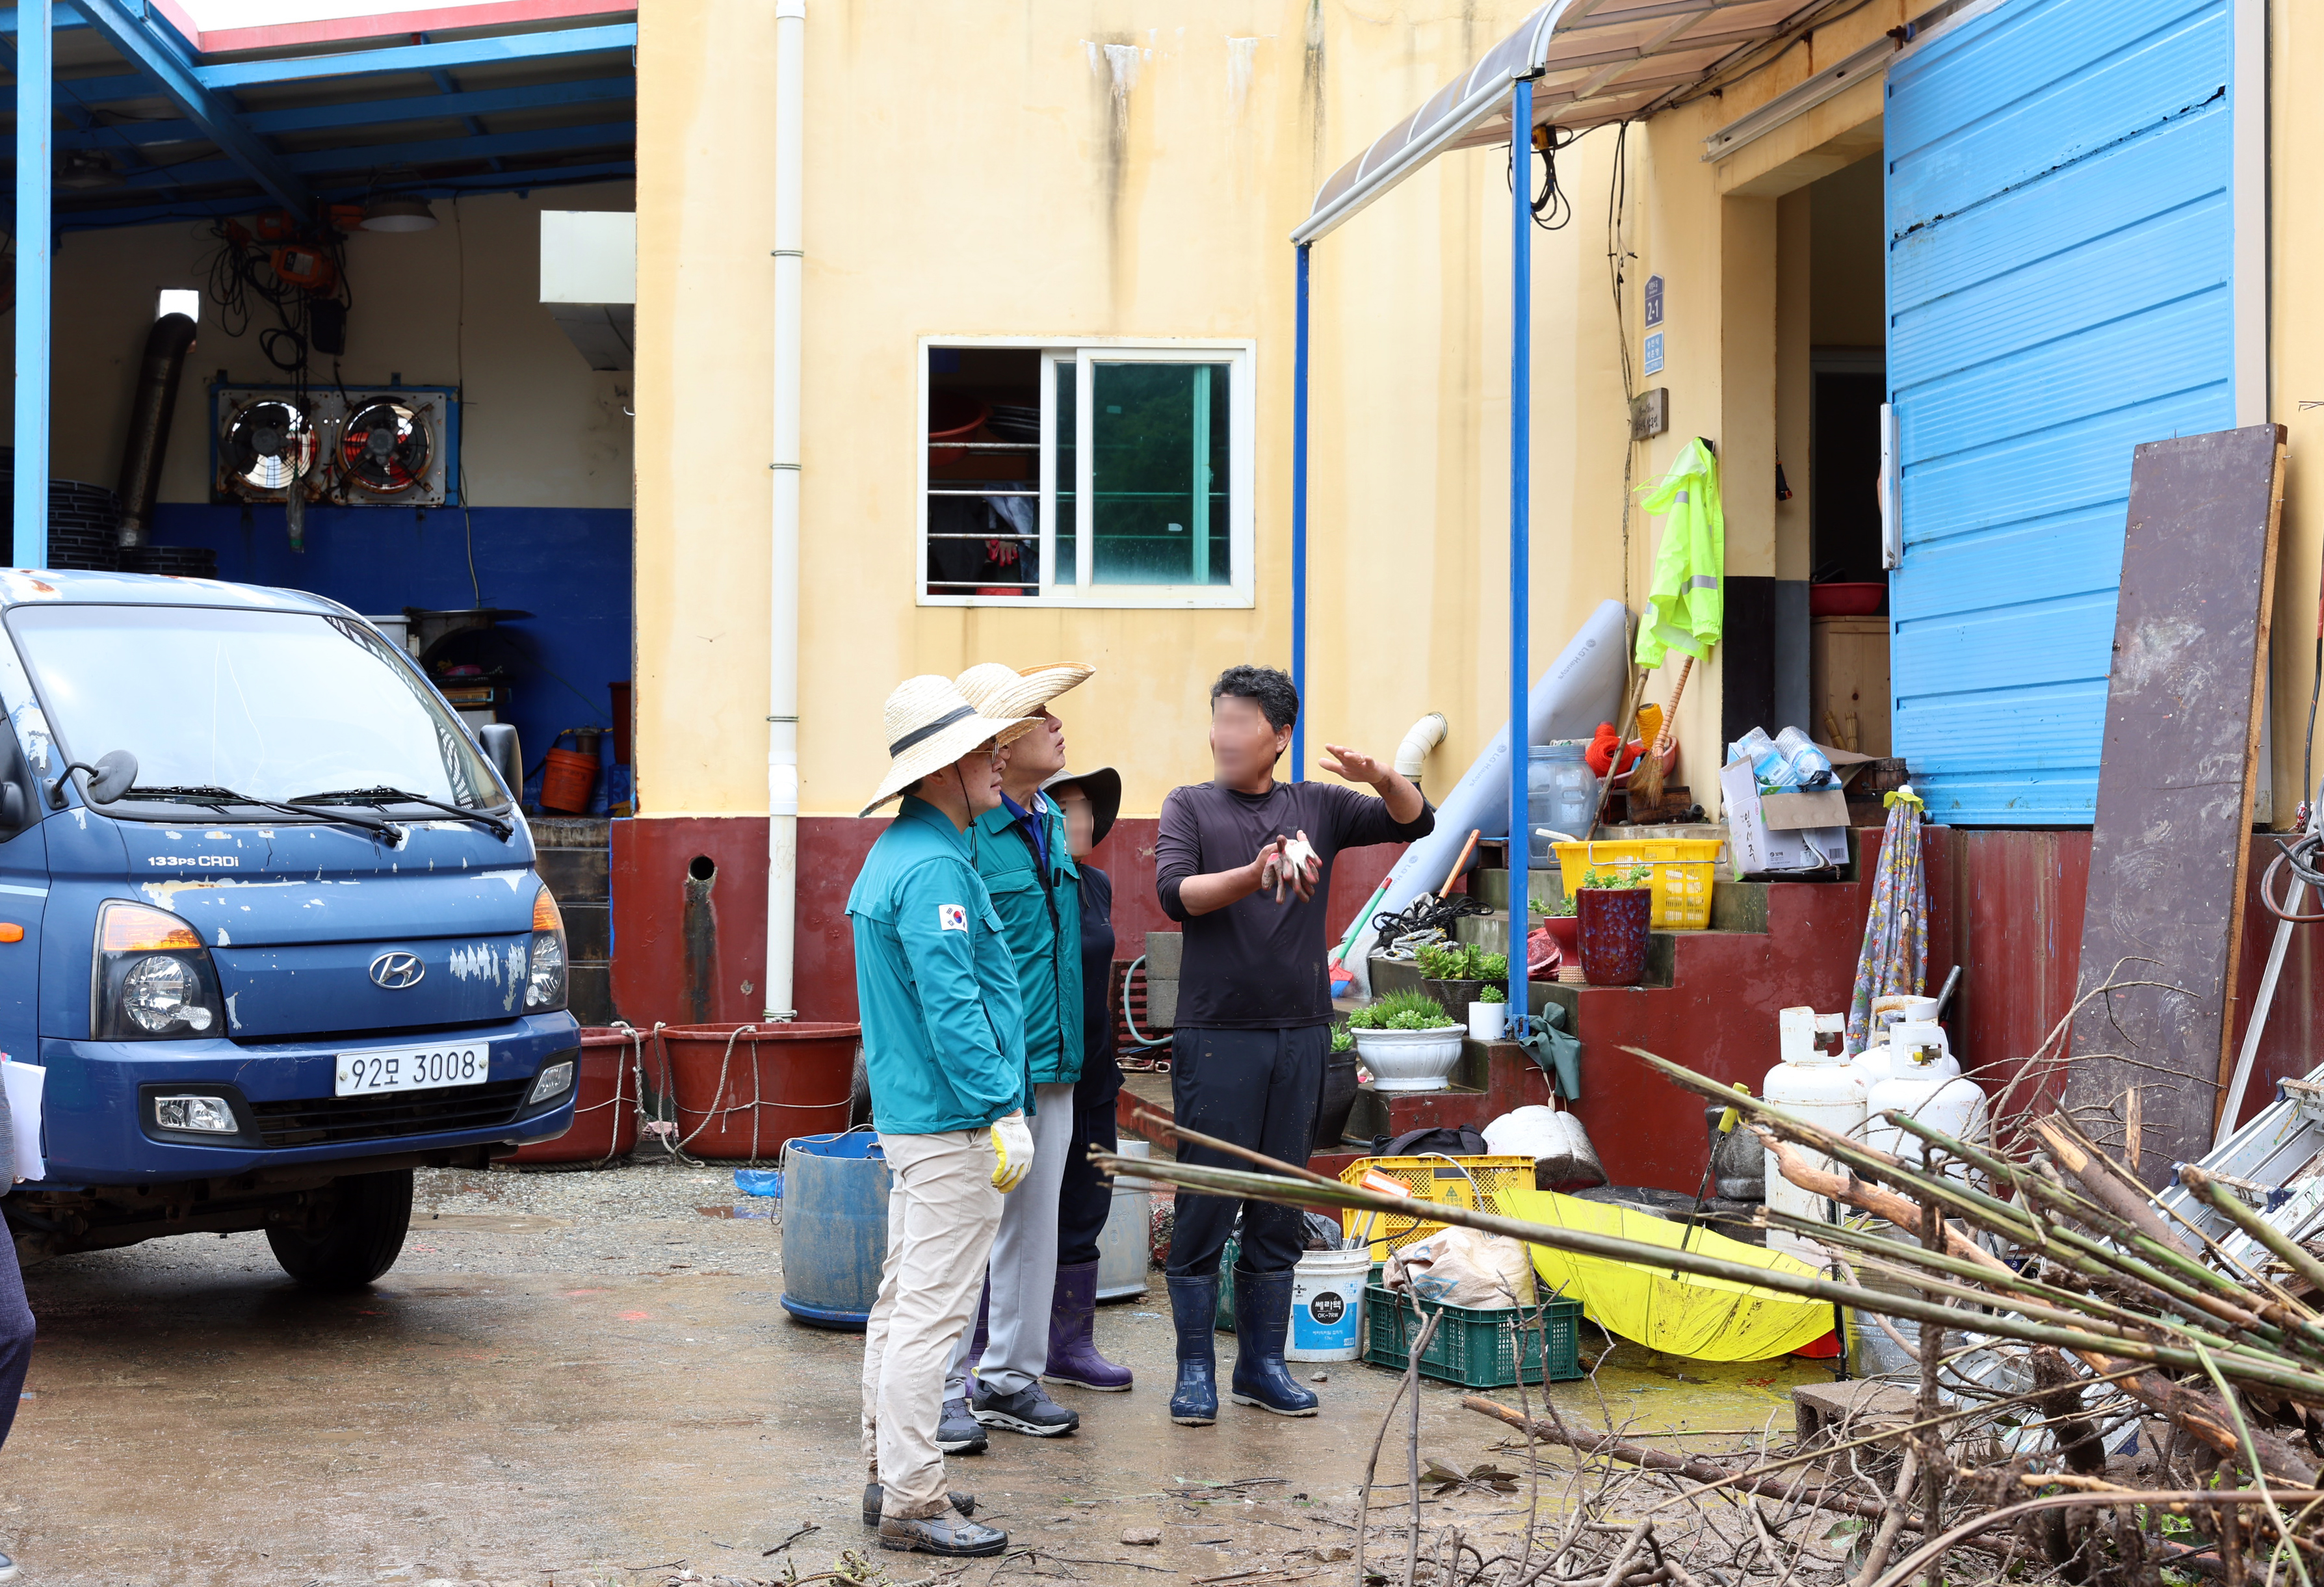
{"x":1614,"y":923}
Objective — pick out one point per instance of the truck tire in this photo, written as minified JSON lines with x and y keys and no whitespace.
{"x":362,"y":1238}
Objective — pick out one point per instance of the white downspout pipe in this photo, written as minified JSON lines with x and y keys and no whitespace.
{"x":783,"y":604}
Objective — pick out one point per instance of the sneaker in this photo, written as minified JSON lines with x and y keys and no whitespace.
{"x":958,"y":1431}
{"x":1028,"y":1411}
{"x":966,"y":1503}
{"x":947,"y":1533}
{"x":7,"y":1568}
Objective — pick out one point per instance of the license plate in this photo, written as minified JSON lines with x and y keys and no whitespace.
{"x":414,"y":1068}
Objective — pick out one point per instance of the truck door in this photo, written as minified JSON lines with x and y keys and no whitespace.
{"x":24,"y":895}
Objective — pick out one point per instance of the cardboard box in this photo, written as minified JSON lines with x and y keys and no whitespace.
{"x":1791,"y":831}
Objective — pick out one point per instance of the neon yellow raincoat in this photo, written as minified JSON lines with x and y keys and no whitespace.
{"x":1687,"y":604}
{"x":1705,"y":1319}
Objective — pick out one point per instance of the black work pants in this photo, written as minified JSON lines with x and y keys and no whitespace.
{"x":1087,"y":1197}
{"x":15,"y":1328}
{"x":1257,"y":1089}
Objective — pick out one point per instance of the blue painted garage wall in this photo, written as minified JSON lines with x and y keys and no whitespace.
{"x":2059,"y":283}
{"x":568,"y":565}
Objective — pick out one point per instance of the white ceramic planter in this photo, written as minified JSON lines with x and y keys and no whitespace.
{"x":1488,"y":1021}
{"x":1410,"y":1060}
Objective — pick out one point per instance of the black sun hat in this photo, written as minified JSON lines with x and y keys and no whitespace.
{"x":1102,"y":786}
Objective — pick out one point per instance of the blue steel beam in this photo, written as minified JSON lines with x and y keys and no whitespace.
{"x":1520,"y":531}
{"x":1299,"y":520}
{"x":368,"y":113}
{"x":482,"y":182}
{"x":381,"y":157}
{"x":61,"y":18}
{"x":453,"y":52}
{"x":35,"y":239}
{"x":153,"y":47}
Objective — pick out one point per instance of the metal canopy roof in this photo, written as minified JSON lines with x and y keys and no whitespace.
{"x":152,"y":124}
{"x":1595,"y":61}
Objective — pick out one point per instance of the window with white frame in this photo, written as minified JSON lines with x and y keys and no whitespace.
{"x":1105,"y":475}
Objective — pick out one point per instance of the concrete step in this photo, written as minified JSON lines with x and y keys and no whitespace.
{"x":576,"y":875}
{"x":588,"y":930}
{"x":589,"y":990}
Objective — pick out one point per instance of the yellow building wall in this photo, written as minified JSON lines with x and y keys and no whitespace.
{"x":2296,"y":379}
{"x":1085,"y":168}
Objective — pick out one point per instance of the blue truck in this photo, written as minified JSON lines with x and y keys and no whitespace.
{"x":269,"y":917}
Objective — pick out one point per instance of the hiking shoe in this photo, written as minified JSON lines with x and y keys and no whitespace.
{"x":958,"y":1432}
{"x":966,"y":1503}
{"x":947,"y":1534}
{"x":7,"y":1568}
{"x":1028,"y":1411}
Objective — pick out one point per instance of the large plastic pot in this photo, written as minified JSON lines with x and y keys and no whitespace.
{"x":604,"y":1104}
{"x":1615,"y":922}
{"x":741,"y":1091}
{"x":834,"y":1228}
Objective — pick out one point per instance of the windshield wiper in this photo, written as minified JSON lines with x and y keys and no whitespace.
{"x":383,"y":797}
{"x":207,"y":794}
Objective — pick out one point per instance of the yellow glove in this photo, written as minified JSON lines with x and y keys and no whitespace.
{"x":1012,"y":1151}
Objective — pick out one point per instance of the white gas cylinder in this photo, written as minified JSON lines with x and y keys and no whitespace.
{"x":1817,"y":1087}
{"x":1925,"y":1082}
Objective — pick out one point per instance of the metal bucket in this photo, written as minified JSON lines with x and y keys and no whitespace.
{"x":834,"y":1228}
{"x":1122,"y":1244}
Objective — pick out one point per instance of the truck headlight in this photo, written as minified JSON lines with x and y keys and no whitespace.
{"x":544,"y":989}
{"x":152,"y":978}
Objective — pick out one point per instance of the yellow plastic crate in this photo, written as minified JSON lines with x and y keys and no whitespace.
{"x":1476,"y":1183}
{"x":1682,"y":867}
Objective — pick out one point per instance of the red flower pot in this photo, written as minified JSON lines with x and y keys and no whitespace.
{"x":1565,"y":930}
{"x":741,"y":1091}
{"x":604,"y":1103}
{"x":1614,"y":921}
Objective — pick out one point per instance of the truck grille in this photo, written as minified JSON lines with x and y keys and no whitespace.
{"x":322,"y":1121}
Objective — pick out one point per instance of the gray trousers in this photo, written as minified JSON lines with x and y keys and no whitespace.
{"x":1024,"y":1272}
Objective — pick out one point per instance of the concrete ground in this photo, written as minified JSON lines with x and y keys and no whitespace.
{"x":577,"y":1377}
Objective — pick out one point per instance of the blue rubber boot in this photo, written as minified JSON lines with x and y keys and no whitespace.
{"x":1194,"y":1309}
{"x":1262,"y":1318}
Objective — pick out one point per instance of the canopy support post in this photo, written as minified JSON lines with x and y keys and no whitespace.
{"x":1299,"y":520}
{"x":35,"y":241}
{"x":1521,"y":533}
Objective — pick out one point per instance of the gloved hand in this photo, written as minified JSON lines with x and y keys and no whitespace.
{"x":1012,"y":1151}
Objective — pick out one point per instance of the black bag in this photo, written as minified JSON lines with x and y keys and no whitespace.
{"x":1456,"y":1140}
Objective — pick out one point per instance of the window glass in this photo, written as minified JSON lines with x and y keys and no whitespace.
{"x":1065,"y":386}
{"x":1158,"y":433}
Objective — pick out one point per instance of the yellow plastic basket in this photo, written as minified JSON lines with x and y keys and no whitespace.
{"x":1682,"y":867}
{"x":1475,"y":1182}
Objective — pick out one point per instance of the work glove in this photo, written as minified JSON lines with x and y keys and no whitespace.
{"x":1012,"y":1151}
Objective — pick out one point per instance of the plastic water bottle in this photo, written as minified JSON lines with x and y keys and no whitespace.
{"x":1768,"y":761}
{"x":1809,"y":767}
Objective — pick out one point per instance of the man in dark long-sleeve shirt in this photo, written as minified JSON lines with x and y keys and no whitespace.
{"x":1246,"y":862}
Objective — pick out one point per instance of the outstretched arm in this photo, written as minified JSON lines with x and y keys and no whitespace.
{"x":1395,"y":791}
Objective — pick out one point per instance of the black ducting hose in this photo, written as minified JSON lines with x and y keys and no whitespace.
{"x":2298,"y":856}
{"x":149,"y":408}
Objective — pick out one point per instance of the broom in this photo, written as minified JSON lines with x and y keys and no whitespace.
{"x":1646,"y":781}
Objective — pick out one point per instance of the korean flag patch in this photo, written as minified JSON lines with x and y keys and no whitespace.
{"x":951,"y":918}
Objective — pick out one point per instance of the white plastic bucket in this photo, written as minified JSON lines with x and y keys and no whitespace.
{"x":1122,"y":1246}
{"x":1327,"y":1306}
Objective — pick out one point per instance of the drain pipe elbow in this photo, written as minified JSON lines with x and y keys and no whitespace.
{"x":1422,"y":736}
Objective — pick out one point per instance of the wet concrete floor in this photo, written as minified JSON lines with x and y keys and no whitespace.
{"x":573,"y":1385}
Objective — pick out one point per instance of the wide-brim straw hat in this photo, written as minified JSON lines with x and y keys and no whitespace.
{"x":928,"y":725}
{"x":1102,"y":786}
{"x":996,"y":690}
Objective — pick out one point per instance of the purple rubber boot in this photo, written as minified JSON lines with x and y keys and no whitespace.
{"x":1072,"y":1352}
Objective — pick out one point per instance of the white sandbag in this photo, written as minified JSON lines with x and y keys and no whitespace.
{"x":1463,"y":1267}
{"x":1562,"y":1156}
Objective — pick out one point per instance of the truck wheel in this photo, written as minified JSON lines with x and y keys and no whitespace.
{"x":362,"y":1238}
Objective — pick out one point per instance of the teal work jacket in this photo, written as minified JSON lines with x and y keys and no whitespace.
{"x":943,"y":1035}
{"x":1041,"y":916}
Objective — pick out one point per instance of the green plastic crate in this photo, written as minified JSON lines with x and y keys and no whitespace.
{"x":1475,"y":1347}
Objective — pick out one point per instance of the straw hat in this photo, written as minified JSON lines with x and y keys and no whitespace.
{"x":1004,"y":692}
{"x":928,"y":725}
{"x":1102,"y":788}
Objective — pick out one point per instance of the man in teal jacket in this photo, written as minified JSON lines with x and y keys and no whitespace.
{"x":1020,"y":851}
{"x":944,"y":1049}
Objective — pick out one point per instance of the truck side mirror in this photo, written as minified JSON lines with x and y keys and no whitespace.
{"x":499,"y":742}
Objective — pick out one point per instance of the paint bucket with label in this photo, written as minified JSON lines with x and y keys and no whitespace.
{"x":1327,"y":1306}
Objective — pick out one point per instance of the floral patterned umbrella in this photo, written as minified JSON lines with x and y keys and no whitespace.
{"x":1896,"y":957}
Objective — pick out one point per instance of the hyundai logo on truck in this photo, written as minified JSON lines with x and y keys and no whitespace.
{"x":397,"y":970}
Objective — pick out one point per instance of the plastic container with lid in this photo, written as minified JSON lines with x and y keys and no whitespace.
{"x":1561,"y":794}
{"x":1817,"y":1087}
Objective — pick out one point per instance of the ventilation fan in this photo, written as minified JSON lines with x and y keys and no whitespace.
{"x":267,"y":444}
{"x":385,"y":448}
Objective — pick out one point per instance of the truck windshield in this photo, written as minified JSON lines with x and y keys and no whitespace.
{"x":274,"y":705}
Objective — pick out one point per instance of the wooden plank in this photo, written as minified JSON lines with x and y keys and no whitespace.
{"x":2172,"y":844}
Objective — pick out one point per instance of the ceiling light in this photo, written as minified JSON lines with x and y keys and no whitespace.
{"x":87,"y":167}
{"x":397,"y":212}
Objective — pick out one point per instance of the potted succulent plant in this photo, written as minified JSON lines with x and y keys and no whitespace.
{"x":1450,"y":975}
{"x":1406,"y":1041}
{"x":1489,"y":1016}
{"x":1615,"y":907}
{"x":1559,"y":918}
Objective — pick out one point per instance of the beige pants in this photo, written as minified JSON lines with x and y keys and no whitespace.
{"x":942,"y":1212}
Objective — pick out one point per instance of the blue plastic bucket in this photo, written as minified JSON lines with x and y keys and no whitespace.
{"x":834,"y":1228}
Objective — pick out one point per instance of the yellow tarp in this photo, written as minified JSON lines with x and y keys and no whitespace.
{"x":1706,"y":1319}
